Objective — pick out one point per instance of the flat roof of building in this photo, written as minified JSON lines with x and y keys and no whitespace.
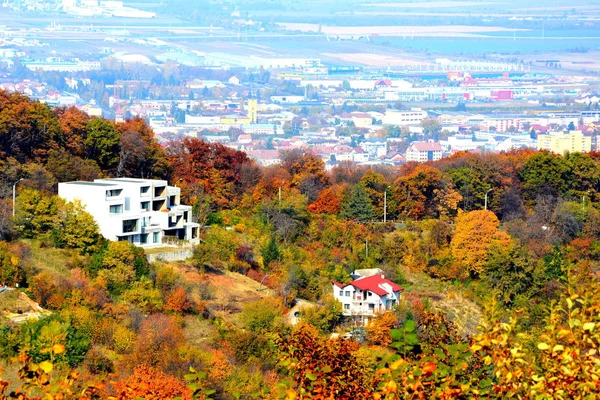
{"x":132,"y":180}
{"x":89,"y":183}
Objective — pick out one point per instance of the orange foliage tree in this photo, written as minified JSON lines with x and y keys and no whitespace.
{"x":378,"y":331}
{"x":476,"y":232}
{"x":327,"y":202}
{"x":151,"y":384}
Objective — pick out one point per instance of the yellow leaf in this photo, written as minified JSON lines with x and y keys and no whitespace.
{"x":589,"y":326}
{"x":476,"y":347}
{"x":58,"y":348}
{"x":543,"y":346}
{"x":46,"y":366}
{"x":558,"y":347}
{"x":396,"y":364}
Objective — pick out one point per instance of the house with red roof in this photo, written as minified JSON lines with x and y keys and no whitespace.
{"x":365,"y":297}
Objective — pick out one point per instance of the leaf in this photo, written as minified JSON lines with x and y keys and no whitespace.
{"x":543,"y":346}
{"x":410,"y":325}
{"x":46,"y":366}
{"x":58,"y":348}
{"x":311,"y":376}
{"x":589,"y":326}
{"x":397,"y":334}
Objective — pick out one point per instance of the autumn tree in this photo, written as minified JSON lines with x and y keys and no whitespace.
{"x":73,"y":126}
{"x":378,"y":331}
{"x":323,"y":368}
{"x":149,"y":383}
{"x":476,"y":232}
{"x":28,"y":129}
{"x":140,"y":156}
{"x":327,"y":202}
{"x":214,"y":167}
{"x":157,"y":343}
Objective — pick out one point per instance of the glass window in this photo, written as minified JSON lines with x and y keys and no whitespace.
{"x":155,"y":237}
{"x":116,"y":209}
{"x":348,"y":293}
{"x":144,"y":189}
{"x":144,"y":238}
{"x":145,"y":205}
{"x":346,"y":306}
{"x":130,"y":225}
{"x":113,"y":192}
{"x":341,"y":292}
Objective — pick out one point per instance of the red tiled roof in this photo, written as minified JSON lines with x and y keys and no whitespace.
{"x":371,"y":283}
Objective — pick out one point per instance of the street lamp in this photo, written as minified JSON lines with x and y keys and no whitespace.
{"x":385,"y":204}
{"x":280,"y":185}
{"x":14,"y":195}
{"x":486,"y":197}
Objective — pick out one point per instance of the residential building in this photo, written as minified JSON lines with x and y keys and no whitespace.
{"x":362,"y":120}
{"x":424,"y":151}
{"x":404,"y":117}
{"x":565,"y":142}
{"x":365,"y":297}
{"x":142,"y":211}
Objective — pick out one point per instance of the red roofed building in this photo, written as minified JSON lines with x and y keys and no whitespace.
{"x":363,"y":298}
{"x":424,"y":151}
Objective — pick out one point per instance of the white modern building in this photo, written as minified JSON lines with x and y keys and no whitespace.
{"x":365,"y":297}
{"x":142,"y":211}
{"x":404,"y":117}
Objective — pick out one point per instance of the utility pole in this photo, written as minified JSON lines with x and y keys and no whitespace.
{"x":385,"y":204}
{"x":486,"y":197}
{"x":280,"y":185}
{"x":15,"y":196}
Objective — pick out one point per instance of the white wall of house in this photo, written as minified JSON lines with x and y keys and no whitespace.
{"x":356,"y":302}
{"x":141,"y":211}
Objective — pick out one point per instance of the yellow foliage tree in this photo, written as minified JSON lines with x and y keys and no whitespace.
{"x":476,"y":232}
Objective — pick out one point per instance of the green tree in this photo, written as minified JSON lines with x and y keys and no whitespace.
{"x":75,"y":228}
{"x":357,"y":205}
{"x":543,"y":173}
{"x":36,"y":213}
{"x":271,"y":252}
{"x":102,"y":143}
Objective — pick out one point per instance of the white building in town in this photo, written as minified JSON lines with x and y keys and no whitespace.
{"x":365,"y":297}
{"x":404,"y":117}
{"x":141,"y":211}
{"x":424,"y":151}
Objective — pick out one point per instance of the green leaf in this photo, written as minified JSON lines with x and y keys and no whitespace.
{"x":410,"y":325}
{"x":397,"y":334}
{"x":311,"y":376}
{"x":189,"y":377}
{"x":412,"y":339}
